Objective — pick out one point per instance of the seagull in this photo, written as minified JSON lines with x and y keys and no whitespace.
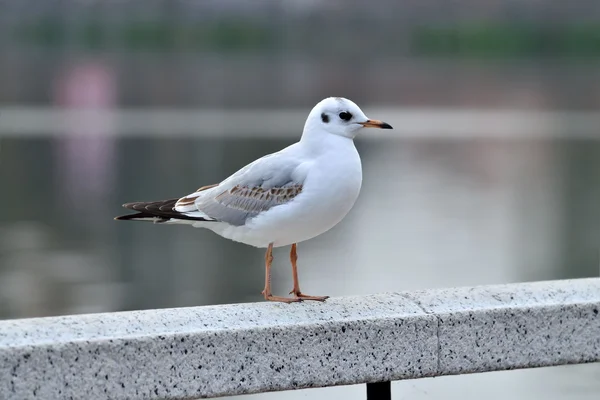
{"x":282,"y":198}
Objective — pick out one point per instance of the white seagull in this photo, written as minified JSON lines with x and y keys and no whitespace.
{"x":283,"y":198}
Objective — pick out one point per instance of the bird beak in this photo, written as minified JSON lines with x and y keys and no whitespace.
{"x":373,"y":123}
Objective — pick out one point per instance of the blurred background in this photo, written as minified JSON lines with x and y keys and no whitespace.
{"x":492,"y":174}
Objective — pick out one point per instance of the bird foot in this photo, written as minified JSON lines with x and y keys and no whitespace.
{"x":284,"y":299}
{"x":270,"y":297}
{"x":302,"y":296}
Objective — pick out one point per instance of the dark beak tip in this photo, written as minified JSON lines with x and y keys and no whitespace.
{"x":385,"y":125}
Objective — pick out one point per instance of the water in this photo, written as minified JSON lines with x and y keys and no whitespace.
{"x":432,"y":213}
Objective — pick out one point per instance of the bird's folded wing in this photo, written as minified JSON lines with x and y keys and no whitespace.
{"x":258,"y":187}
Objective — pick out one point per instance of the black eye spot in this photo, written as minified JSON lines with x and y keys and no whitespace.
{"x":345,"y":115}
{"x":324,"y":118}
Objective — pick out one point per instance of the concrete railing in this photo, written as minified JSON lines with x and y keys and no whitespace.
{"x":235,"y":349}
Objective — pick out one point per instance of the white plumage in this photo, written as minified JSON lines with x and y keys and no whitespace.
{"x":283,"y":198}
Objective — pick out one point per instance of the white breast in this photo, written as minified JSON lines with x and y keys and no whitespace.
{"x":331,"y":187}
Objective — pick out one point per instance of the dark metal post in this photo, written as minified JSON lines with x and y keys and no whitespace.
{"x":379,"y":391}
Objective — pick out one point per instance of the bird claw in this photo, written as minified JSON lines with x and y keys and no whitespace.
{"x":284,"y":299}
{"x":302,"y":296}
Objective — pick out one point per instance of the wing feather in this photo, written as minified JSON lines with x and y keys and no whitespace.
{"x":239,"y":203}
{"x":266,"y":183}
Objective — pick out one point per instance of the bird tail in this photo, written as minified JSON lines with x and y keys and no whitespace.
{"x":157,"y":212}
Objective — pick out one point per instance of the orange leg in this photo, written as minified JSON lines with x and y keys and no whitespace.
{"x":296,"y":290}
{"x":267,"y":292}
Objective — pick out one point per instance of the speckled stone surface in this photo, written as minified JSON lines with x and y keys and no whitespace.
{"x":502,"y":327}
{"x":213,"y":351}
{"x":210,"y":351}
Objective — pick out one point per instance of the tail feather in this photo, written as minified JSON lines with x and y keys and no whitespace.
{"x":156,"y":211}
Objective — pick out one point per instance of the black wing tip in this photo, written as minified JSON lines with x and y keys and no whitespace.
{"x":140,"y":217}
{"x":157,"y":211}
{"x":137,"y":205}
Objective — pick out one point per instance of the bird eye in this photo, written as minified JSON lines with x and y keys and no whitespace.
{"x":345,"y":115}
{"x":324,"y":118}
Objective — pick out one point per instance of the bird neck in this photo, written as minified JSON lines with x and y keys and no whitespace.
{"x":318,"y":142}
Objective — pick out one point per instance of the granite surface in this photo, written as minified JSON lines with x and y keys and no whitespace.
{"x":189,"y":353}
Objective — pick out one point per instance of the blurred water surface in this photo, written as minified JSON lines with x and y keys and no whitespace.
{"x":431,"y":213}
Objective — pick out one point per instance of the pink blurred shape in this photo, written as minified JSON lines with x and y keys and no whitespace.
{"x":85,"y":154}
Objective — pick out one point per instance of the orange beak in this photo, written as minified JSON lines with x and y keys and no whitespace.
{"x":373,"y":123}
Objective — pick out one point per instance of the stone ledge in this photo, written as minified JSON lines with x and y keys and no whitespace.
{"x":213,"y":351}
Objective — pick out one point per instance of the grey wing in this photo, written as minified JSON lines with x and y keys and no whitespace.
{"x":265,"y":184}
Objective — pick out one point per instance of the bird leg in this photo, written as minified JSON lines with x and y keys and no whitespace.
{"x":267,"y":292}
{"x":296,"y":290}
